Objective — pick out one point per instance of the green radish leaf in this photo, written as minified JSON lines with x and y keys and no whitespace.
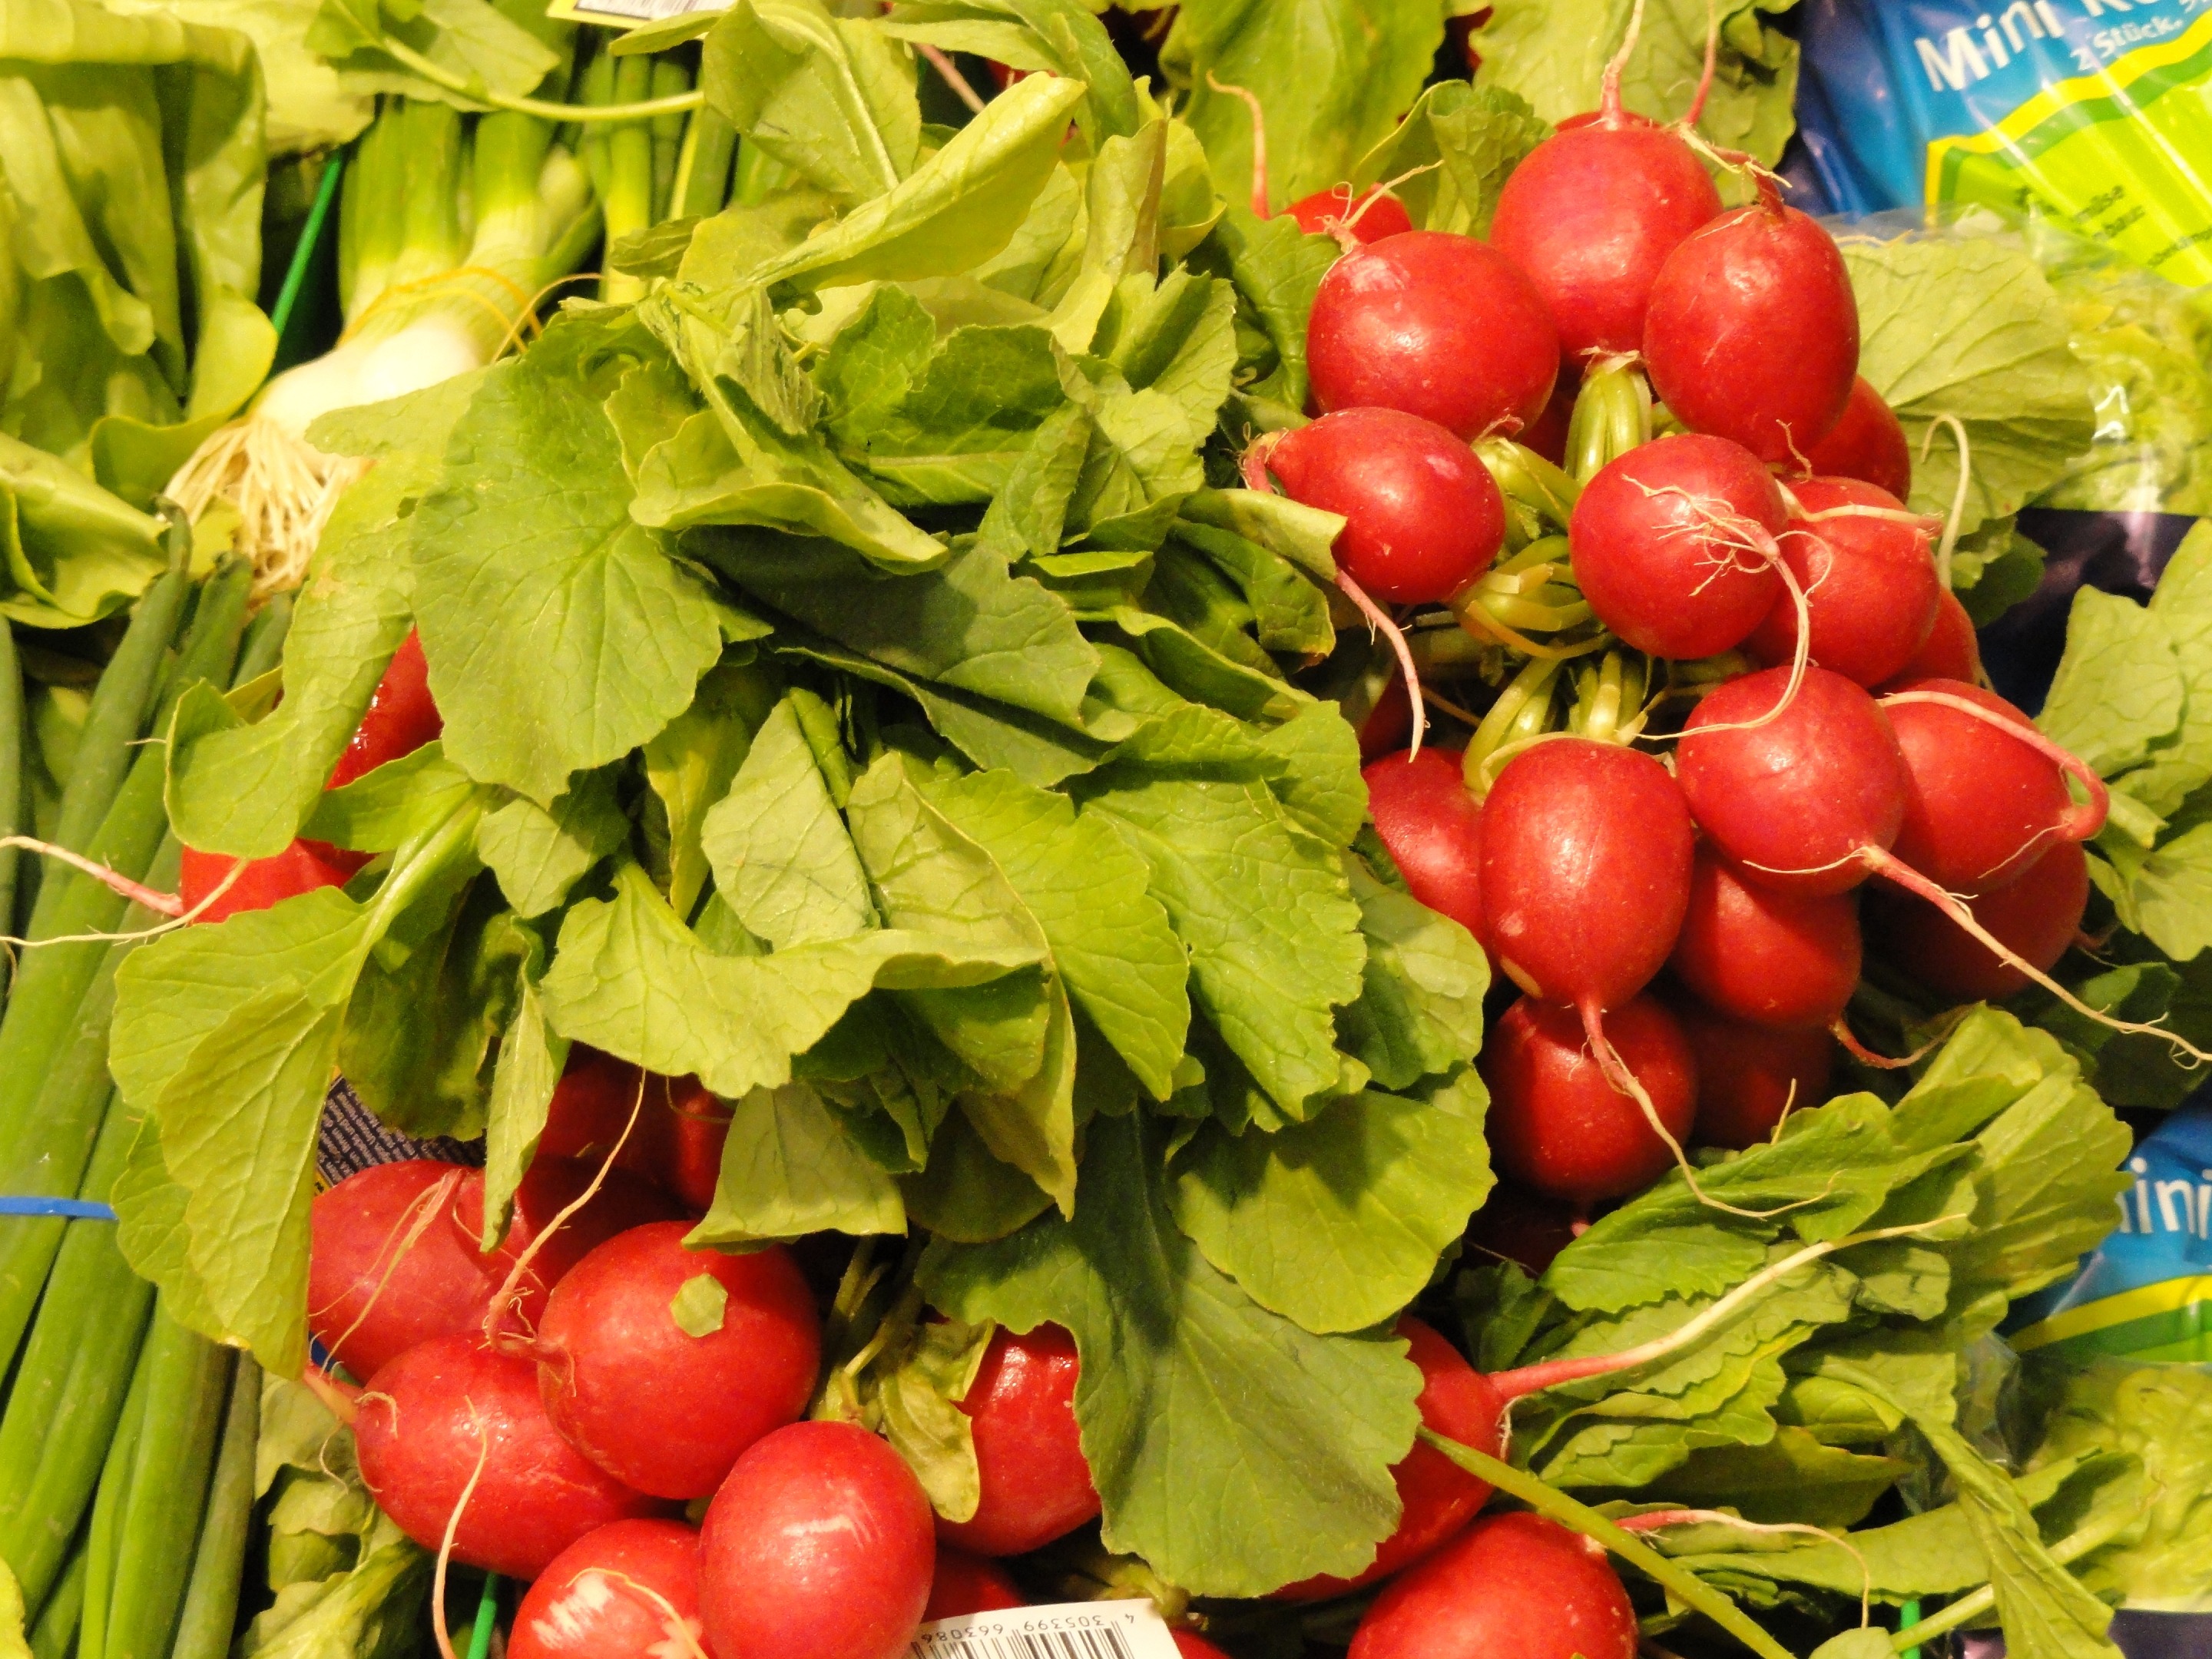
{"x":1057,"y":37}
{"x":789,"y":1168}
{"x":1233,"y":1450}
{"x":560,"y":634}
{"x":919,"y":1399}
{"x":1794,"y":1477}
{"x":71,"y":553}
{"x":780,"y":855}
{"x":966,"y":1194}
{"x":524,"y":1077}
{"x":471,"y":39}
{"x":1337,"y":1222}
{"x":14,"y":1639}
{"x":690,"y":763}
{"x":1322,"y":788}
{"x":2181,"y":761}
{"x":1555,"y":56}
{"x":1460,"y":143}
{"x":1277,"y":269}
{"x":538,"y":854}
{"x":698,"y":1305}
{"x":391,"y":805}
{"x":2119,"y":688}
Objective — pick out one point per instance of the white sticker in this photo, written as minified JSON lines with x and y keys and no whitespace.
{"x":1072,"y":1630}
{"x":628,"y":14}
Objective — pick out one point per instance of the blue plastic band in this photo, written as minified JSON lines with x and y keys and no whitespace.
{"x":69,"y":1209}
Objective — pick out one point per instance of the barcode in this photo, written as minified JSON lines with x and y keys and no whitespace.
{"x":1033,"y":1644}
{"x":1066,"y":1630}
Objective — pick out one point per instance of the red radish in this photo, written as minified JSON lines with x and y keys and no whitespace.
{"x":1423,"y":517}
{"x":1673,"y":546}
{"x":1513,"y":1586}
{"x":1586,"y":856}
{"x":1432,"y":827}
{"x":1868,"y":442}
{"x":1195,"y":1647}
{"x":678,"y":1142}
{"x":629,"y":1590}
{"x":400,"y":719}
{"x":392,"y":1259}
{"x":1438,"y":325}
{"x":1435,"y":1497}
{"x":1797,"y":799}
{"x":1369,"y":217}
{"x":1749,"y":1075}
{"x":967,"y":1584}
{"x":1951,"y":651}
{"x":1870,"y":583}
{"x":2037,"y":916}
{"x":1389,"y":724}
{"x":1548,"y":435}
{"x":1988,"y":794}
{"x":665,"y":1410}
{"x":1558,"y":1125}
{"x":1753,"y":332}
{"x":1516,"y":1225}
{"x":819,"y":1545}
{"x":1782,"y":960}
{"x":450,"y":1412}
{"x":1028,"y":1454}
{"x":1591,"y":214}
{"x":301,"y":868}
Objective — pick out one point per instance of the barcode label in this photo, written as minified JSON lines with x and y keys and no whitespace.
{"x":1075,"y":1629}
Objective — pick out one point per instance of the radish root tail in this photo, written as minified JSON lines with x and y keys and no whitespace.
{"x":1251,"y":100}
{"x":1696,"y":112}
{"x":1847,"y":1039}
{"x":1660,"y":1518}
{"x":1957,"y":517}
{"x":1608,"y":103}
{"x":453,"y":1529}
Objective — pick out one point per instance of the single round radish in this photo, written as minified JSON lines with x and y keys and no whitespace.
{"x":967,"y":1584}
{"x":1432,"y":827}
{"x":665,"y":1410}
{"x":301,"y":868}
{"x":1983,"y":805}
{"x":1557,"y":1125}
{"x":386,"y":1266}
{"x":1515,"y":1224}
{"x":1586,"y":855}
{"x":1951,"y":652}
{"x":1673,"y":546}
{"x":1753,"y":332}
{"x":1868,"y":442}
{"x":1869,"y":583}
{"x":819,"y":1545}
{"x":1435,"y":1497}
{"x":399,"y":719}
{"x":445,"y":1408}
{"x":676,"y":1143}
{"x":1367,"y":217}
{"x":1035,"y":1482}
{"x":1591,"y":214}
{"x":2036,"y":916}
{"x":1512,"y":1586}
{"x":629,"y":1590}
{"x":1423,"y":517}
{"x":1794,"y":802}
{"x":1749,"y":1075}
{"x":1786,"y":961}
{"x":1438,"y":326}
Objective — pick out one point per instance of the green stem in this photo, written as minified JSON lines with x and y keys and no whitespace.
{"x":53,"y":1633}
{"x":108,"y":1508}
{"x":487,"y":1619}
{"x":1968,"y":1608}
{"x":438,"y":75}
{"x":1679,"y":1582}
{"x":626,"y":198}
{"x":1612,"y":415}
{"x":12,"y":793}
{"x":703,"y":174}
{"x":671,"y":135}
{"x":211,"y":1610}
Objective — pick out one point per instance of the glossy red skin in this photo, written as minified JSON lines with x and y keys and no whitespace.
{"x":1951,"y":650}
{"x":1792,"y":802}
{"x":1195,"y":1647}
{"x":1753,"y":332}
{"x":1512,"y":1586}
{"x":1868,"y":442}
{"x":1035,"y":1483}
{"x":1548,"y":436}
{"x":1749,"y":1075}
{"x":1787,"y":961}
{"x":967,"y":1584}
{"x":1982,"y":806}
{"x":426,"y":1420}
{"x":1558,"y":1126}
{"x":1438,"y":326}
{"x":1432,"y":825}
{"x":1520,"y":1226}
{"x":663,"y":1411}
{"x":441,"y":1286}
{"x":1649,"y":560}
{"x":819,"y":1545}
{"x":1389,"y":724}
{"x":593,"y":1601}
{"x":677,"y":1140}
{"x":1435,"y":1497}
{"x":1591,"y":214}
{"x":301,"y":868}
{"x":1869,"y":583}
{"x":2037,"y":917}
{"x":1320,"y":213}
{"x":1586,"y":852}
{"x":399,"y":719}
{"x":1423,"y":517}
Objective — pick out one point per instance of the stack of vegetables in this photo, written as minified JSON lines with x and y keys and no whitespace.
{"x":840,"y":760}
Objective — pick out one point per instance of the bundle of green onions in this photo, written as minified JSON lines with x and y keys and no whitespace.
{"x":126,"y":1440}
